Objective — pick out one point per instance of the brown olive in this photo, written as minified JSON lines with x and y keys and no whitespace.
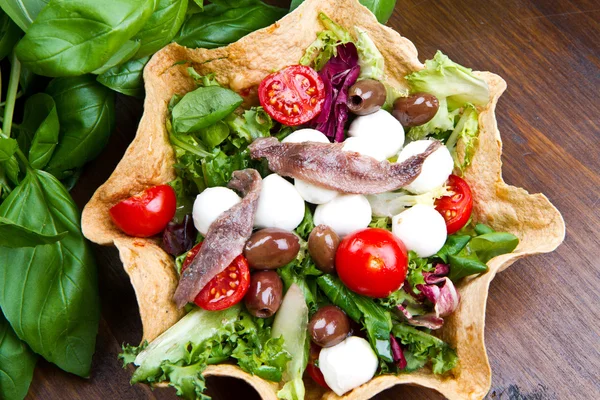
{"x":322,"y":245}
{"x":366,"y":96}
{"x":271,"y":248}
{"x":264,"y":294}
{"x":329,"y":326}
{"x":416,"y":109}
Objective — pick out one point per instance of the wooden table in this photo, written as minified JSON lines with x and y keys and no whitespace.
{"x":543,"y":330}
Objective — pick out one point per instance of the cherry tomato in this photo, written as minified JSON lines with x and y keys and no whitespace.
{"x":456,"y":208}
{"x":314,"y":371}
{"x":227,"y":288}
{"x":147,"y":213}
{"x":372,"y":262}
{"x":293,"y":95}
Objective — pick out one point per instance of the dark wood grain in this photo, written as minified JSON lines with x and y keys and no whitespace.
{"x":543,"y":330}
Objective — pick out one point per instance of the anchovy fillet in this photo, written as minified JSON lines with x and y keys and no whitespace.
{"x":224,"y":240}
{"x":328,"y":166}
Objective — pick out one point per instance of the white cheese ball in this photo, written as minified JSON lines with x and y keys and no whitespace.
{"x":211,"y":203}
{"x":365,"y":147}
{"x":348,"y":364}
{"x":279,"y":205}
{"x":421,"y":228}
{"x":435,"y":170}
{"x":344,"y":214}
{"x":380,"y":128}
{"x":311,"y":193}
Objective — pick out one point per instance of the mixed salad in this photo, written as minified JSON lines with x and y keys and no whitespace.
{"x":322,"y":233}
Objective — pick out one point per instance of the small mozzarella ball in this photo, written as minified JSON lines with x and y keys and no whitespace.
{"x":211,"y":203}
{"x":279,"y":205}
{"x":421,"y":228}
{"x":306,"y":135}
{"x":348,"y":364}
{"x":380,"y":128}
{"x":311,"y":193}
{"x":365,"y":147}
{"x":314,"y":194}
{"x":435,"y":170}
{"x":344,"y":214}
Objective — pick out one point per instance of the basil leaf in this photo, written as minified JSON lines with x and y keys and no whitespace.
{"x":8,"y":147}
{"x":75,"y":37}
{"x":126,"y":78}
{"x":11,"y":167}
{"x":40,"y":122}
{"x":16,"y":363}
{"x":162,"y":26}
{"x":9,"y":35}
{"x":124,"y":54}
{"x":203,"y":107}
{"x":86,"y":112}
{"x":465,"y":265}
{"x":295,"y":4}
{"x":23,"y":12}
{"x":219,"y":26}
{"x":454,"y":244}
{"x":13,"y":235}
{"x":490,"y":245}
{"x":339,"y":296}
{"x":51,"y":299}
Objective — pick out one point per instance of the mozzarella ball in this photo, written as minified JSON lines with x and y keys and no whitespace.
{"x":380,"y":128}
{"x":211,"y":203}
{"x":344,"y":214}
{"x":279,"y":205}
{"x":435,"y":170}
{"x":421,"y":228}
{"x":311,"y":193}
{"x":314,"y":194}
{"x":348,"y":364}
{"x":365,"y":147}
{"x":306,"y":135}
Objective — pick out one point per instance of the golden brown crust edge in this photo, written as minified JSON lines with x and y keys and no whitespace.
{"x":149,"y":159}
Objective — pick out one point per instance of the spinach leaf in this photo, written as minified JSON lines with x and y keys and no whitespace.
{"x":75,"y":37}
{"x":40,"y":122}
{"x":51,"y":299}
{"x":218,"y":26}
{"x":465,"y":264}
{"x":490,"y":245}
{"x":126,"y":78}
{"x":203,"y":107}
{"x":13,"y":235}
{"x":23,"y":12}
{"x":86,"y":112}
{"x":214,"y":135}
{"x":9,"y":35}
{"x":162,"y":26}
{"x":454,"y":244}
{"x":16,"y":363}
{"x":481,"y":229}
{"x":124,"y":54}
{"x":8,"y":147}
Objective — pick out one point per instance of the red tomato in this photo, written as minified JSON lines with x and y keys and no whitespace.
{"x":372,"y":262}
{"x":456,"y":208}
{"x":314,"y":371}
{"x":227,"y":288}
{"x":147,"y":213}
{"x":293,"y":95}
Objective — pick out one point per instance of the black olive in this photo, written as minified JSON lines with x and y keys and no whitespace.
{"x":416,"y":109}
{"x":322,"y":245}
{"x":366,"y":97}
{"x":271,"y":248}
{"x":329,"y":326}
{"x":265,"y":294}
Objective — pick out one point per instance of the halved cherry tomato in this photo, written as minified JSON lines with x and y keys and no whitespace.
{"x":456,"y":208}
{"x":224,"y":290}
{"x":372,"y":262}
{"x":147,"y":213}
{"x":314,"y":371}
{"x":293,"y":95}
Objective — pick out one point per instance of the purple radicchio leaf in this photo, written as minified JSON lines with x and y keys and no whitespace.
{"x":445,"y":297}
{"x":397,"y":353}
{"x":437,"y":276}
{"x":429,"y":320}
{"x":338,"y":74}
{"x":179,"y":237}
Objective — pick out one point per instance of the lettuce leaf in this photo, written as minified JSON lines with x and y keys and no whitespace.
{"x":467,"y":131}
{"x":422,"y":347}
{"x":307,"y":225}
{"x":446,"y":79}
{"x":369,"y":57}
{"x":389,"y":204}
{"x":442,"y":122}
{"x":416,"y":267}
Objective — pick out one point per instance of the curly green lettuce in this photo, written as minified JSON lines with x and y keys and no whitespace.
{"x":467,"y":131}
